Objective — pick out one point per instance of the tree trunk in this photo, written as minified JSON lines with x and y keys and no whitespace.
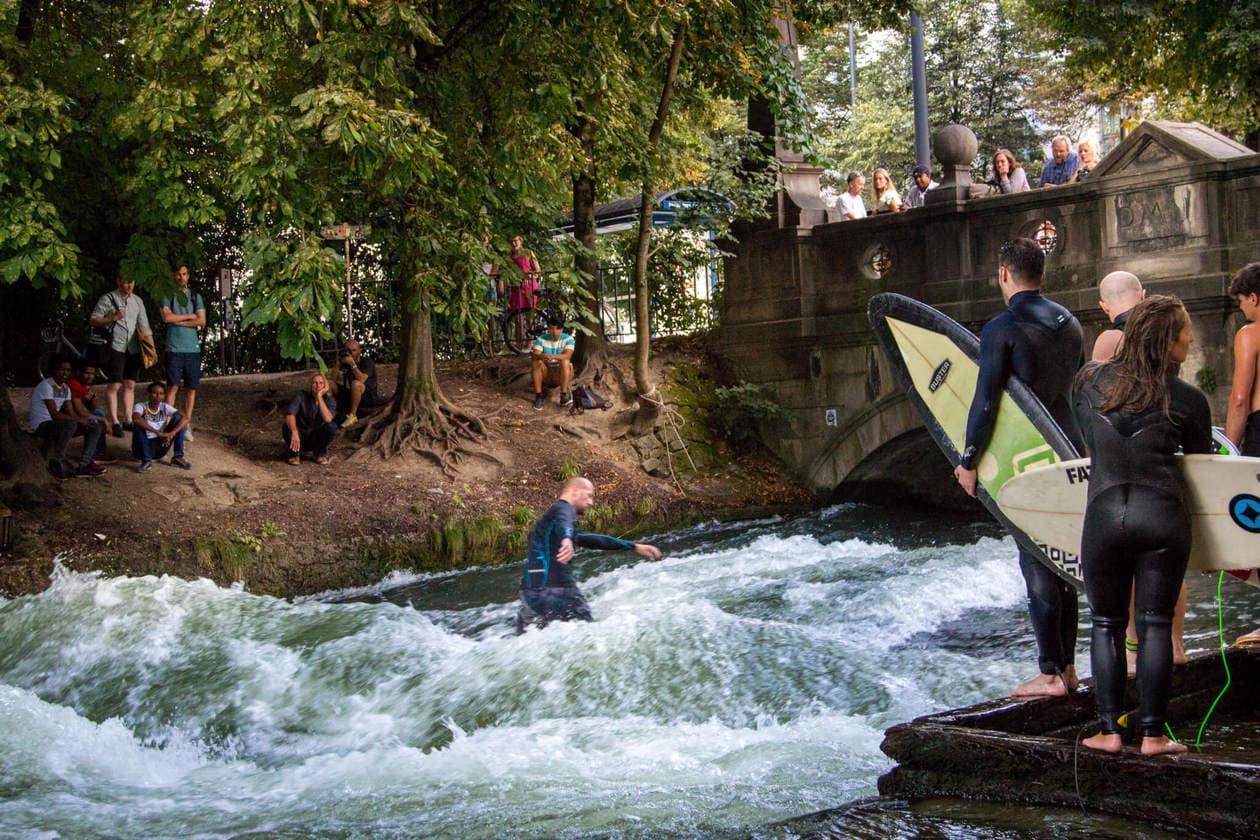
{"x":420,"y":419}
{"x":591,"y":346}
{"x":28,"y":10}
{"x":649,"y":400}
{"x":24,"y":483}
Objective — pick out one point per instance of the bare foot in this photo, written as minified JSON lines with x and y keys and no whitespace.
{"x":1130,"y":663}
{"x":1161,"y":746}
{"x":1104,"y":742}
{"x":1179,"y":653}
{"x":1044,"y":685}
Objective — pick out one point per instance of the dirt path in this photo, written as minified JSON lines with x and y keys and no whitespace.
{"x":242,"y":513}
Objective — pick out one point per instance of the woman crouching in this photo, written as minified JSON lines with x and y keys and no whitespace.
{"x":1134,"y":414}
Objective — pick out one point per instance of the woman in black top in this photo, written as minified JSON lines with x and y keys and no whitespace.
{"x":1134,"y":414}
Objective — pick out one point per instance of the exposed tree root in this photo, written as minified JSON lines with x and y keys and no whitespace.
{"x":442,"y":433}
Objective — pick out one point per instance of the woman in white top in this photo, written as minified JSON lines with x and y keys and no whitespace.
{"x":886,"y":198}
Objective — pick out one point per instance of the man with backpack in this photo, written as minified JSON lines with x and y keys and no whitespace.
{"x":119,"y":325}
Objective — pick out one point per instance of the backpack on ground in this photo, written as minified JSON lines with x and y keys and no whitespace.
{"x":584,"y":398}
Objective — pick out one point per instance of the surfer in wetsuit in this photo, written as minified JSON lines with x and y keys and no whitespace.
{"x":1135,"y":414}
{"x":1041,"y":343}
{"x":1118,"y":293}
{"x":548,"y":590}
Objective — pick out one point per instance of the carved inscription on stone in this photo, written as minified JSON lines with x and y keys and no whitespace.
{"x":1154,"y":219}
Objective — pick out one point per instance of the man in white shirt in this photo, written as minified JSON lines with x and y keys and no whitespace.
{"x":851,"y":203}
{"x":922,"y":183}
{"x":55,"y":424}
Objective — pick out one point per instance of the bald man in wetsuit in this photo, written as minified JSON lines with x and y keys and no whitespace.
{"x":548,"y":589}
{"x":1118,"y":293}
{"x":1042,"y":344}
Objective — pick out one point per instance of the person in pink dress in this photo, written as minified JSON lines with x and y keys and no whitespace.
{"x":524,"y":296}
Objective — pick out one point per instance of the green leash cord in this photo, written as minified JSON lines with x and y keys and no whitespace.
{"x":1220,"y":618}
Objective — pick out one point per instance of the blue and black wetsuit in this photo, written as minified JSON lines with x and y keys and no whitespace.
{"x":1041,"y":343}
{"x":548,"y":588}
{"x":1136,"y":535}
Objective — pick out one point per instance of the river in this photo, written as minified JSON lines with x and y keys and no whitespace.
{"x":740,"y":682}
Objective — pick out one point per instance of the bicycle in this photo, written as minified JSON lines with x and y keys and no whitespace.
{"x":54,"y":345}
{"x":521,"y":325}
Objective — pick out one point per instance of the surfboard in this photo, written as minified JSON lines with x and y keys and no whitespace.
{"x":936,"y":361}
{"x":1222,"y":493}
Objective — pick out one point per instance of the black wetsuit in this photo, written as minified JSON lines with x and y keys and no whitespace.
{"x":1041,"y":343}
{"x":548,"y":589}
{"x":1251,"y":436}
{"x":1136,"y":535}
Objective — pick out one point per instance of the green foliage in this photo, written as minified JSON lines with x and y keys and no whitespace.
{"x":602,"y":517}
{"x":645,"y":507}
{"x":680,"y":259}
{"x":982,"y":71}
{"x":741,"y":409}
{"x":569,"y":468}
{"x":1196,"y":59}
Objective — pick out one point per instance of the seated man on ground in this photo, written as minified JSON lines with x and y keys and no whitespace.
{"x":550,"y":365}
{"x":308,"y":423}
{"x":53,"y":421}
{"x":156,"y":428}
{"x":83,"y":404}
{"x":357,"y":389}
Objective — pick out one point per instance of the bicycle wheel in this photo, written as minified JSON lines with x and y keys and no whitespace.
{"x":520,"y":328}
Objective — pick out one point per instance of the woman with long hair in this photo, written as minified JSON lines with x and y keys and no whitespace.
{"x":523,"y":295}
{"x":887,"y":199}
{"x":1008,"y":175}
{"x":1135,"y":414}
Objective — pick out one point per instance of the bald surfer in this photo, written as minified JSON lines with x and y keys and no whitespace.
{"x":1042,"y":344}
{"x":548,"y":589}
{"x":1118,"y":293}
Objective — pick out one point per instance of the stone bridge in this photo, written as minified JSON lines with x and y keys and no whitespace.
{"x":1175,"y":203}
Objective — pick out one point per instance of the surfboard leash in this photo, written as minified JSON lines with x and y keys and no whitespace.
{"x":1220,"y":620}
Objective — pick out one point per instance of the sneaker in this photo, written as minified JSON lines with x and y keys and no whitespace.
{"x":56,"y":469}
{"x":565,"y":398}
{"x":181,"y":462}
{"x":144,"y":467}
{"x":295,"y":460}
{"x":105,"y":458}
{"x":349,"y":421}
{"x":128,"y":427}
{"x":322,"y":460}
{"x":538,"y":402}
{"x":117,"y":430}
{"x":91,"y":470}
{"x":188,"y":438}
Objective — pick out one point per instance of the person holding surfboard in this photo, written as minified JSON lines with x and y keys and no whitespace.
{"x":1135,"y":414}
{"x":1118,"y":293}
{"x":1042,"y":344}
{"x":1242,"y":420}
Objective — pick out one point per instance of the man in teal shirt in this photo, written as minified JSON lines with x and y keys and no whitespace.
{"x":184,"y":313}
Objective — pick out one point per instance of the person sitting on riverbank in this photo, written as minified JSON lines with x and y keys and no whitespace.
{"x":358,"y":388}
{"x":1135,"y":415}
{"x":83,"y":404}
{"x":548,"y":590}
{"x":156,"y":428}
{"x":309,"y":424}
{"x":550,"y":366}
{"x":54,"y":422}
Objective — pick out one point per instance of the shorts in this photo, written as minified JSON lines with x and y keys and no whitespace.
{"x":183,"y":369}
{"x":117,"y":365}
